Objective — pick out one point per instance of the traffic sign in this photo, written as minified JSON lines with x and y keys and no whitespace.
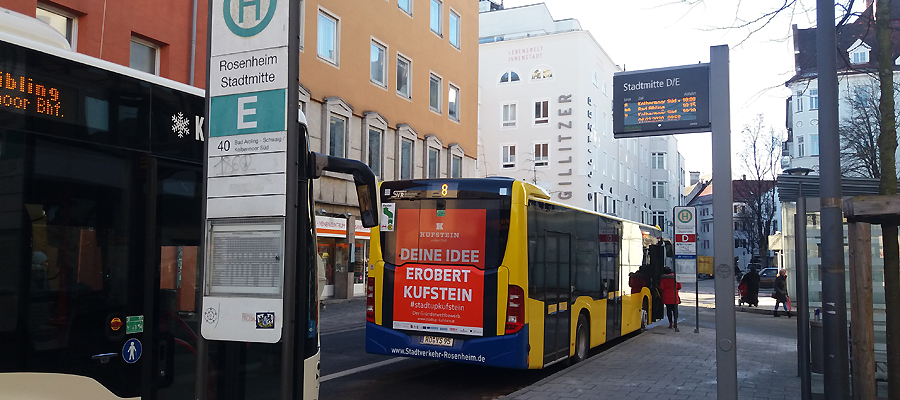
{"x":247,"y":175}
{"x":131,"y":351}
{"x":685,"y":232}
{"x":240,"y":25}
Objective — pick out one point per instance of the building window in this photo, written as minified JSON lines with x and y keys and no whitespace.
{"x":144,"y":56}
{"x":456,"y":167}
{"x":375,"y":150}
{"x":801,"y":147}
{"x":403,"y":77}
{"x":509,"y":76}
{"x":658,"y":161}
{"x":406,"y":162}
{"x":436,"y":16}
{"x":454,"y":29}
{"x":659,"y":219}
{"x":434,"y":88}
{"x":541,"y":154}
{"x":509,"y":115}
{"x":861,"y":96}
{"x":814,"y":99}
{"x":63,"y":23}
{"x":541,"y":73}
{"x":658,"y":189}
{"x":377,"y":70}
{"x":509,"y":156}
{"x":799,"y":102}
{"x":433,"y":156}
{"x":405,"y":5}
{"x":814,"y":144}
{"x":327,"y":39}
{"x":541,"y":112}
{"x":453,"y":103}
{"x":859,"y":55}
{"x":337,"y":129}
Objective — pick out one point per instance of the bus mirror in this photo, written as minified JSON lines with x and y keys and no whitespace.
{"x":363,"y":178}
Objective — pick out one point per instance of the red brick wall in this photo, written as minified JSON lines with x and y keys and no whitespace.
{"x":105,"y":28}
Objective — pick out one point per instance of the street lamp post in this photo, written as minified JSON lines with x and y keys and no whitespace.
{"x":802,"y":281}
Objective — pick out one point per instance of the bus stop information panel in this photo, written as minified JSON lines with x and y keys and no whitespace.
{"x":661,"y":101}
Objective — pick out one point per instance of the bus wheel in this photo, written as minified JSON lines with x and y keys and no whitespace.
{"x":582,"y":335}
{"x":644,"y":317}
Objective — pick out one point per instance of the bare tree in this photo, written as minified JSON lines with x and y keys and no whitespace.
{"x":760,"y":164}
{"x":859,"y":132}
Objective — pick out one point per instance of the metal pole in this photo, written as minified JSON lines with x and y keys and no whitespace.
{"x":834,"y":294}
{"x":803,"y":349}
{"x":696,"y":299}
{"x":720,"y":119}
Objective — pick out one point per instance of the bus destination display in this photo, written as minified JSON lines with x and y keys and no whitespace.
{"x":661,"y":101}
{"x":32,"y":95}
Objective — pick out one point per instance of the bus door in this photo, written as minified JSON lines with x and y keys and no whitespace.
{"x":172,"y":290}
{"x":556,"y":289}
{"x":614,"y":310}
{"x":89,"y":284}
{"x":610,"y":274}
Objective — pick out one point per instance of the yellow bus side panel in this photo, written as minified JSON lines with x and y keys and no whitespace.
{"x":596,"y":313}
{"x":631,"y":310}
{"x":502,"y":298}
{"x":534,"y":317}
{"x":516,"y":256}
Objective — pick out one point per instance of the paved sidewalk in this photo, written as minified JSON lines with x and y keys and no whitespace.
{"x":663,"y":364}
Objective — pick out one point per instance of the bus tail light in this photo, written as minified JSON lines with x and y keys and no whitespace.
{"x":370,"y":299}
{"x":515,"y":310}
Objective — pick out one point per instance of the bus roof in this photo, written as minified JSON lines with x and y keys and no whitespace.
{"x":96,"y":62}
{"x":488,"y":184}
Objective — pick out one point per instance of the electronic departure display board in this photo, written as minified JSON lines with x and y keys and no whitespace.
{"x":661,"y":101}
{"x":35,"y":95}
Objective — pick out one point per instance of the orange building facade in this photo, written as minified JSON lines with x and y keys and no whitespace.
{"x":393,"y":83}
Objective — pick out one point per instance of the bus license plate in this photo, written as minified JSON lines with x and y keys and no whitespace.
{"x":437,"y":341}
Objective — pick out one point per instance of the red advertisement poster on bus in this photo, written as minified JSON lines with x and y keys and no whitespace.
{"x":440,"y":288}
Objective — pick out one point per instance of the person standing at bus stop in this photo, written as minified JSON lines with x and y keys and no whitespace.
{"x":670,"y":288}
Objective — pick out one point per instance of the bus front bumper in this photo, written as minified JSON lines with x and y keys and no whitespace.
{"x":507,"y":351}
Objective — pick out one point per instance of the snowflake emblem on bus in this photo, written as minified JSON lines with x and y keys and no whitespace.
{"x":180,"y":125}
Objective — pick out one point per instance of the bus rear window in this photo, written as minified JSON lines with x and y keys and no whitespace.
{"x":445,"y":232}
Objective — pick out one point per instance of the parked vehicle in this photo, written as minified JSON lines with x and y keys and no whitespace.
{"x":767,"y":277}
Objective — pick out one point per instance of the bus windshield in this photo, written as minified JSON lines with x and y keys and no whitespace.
{"x":443,"y":242}
{"x":457,"y":228}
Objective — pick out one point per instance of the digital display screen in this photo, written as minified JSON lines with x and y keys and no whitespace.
{"x":665,"y":110}
{"x":661,"y":101}
{"x":34,"y":95}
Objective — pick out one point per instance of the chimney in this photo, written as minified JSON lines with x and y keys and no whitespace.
{"x":695,"y":177}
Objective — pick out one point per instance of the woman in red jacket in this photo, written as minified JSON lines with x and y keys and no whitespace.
{"x":670,"y":289}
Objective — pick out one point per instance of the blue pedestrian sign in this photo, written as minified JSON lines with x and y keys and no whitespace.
{"x":131,"y":351}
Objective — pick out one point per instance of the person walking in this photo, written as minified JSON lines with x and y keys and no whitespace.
{"x":780,"y":293}
{"x":670,"y":288}
{"x":751,"y":280}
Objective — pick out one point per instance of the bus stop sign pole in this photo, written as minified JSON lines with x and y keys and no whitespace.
{"x":723,"y":250}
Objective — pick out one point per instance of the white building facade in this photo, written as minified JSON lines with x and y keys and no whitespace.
{"x":545,"y":116}
{"x":857,"y":86}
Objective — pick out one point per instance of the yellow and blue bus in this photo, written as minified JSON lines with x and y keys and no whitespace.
{"x":492,"y":272}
